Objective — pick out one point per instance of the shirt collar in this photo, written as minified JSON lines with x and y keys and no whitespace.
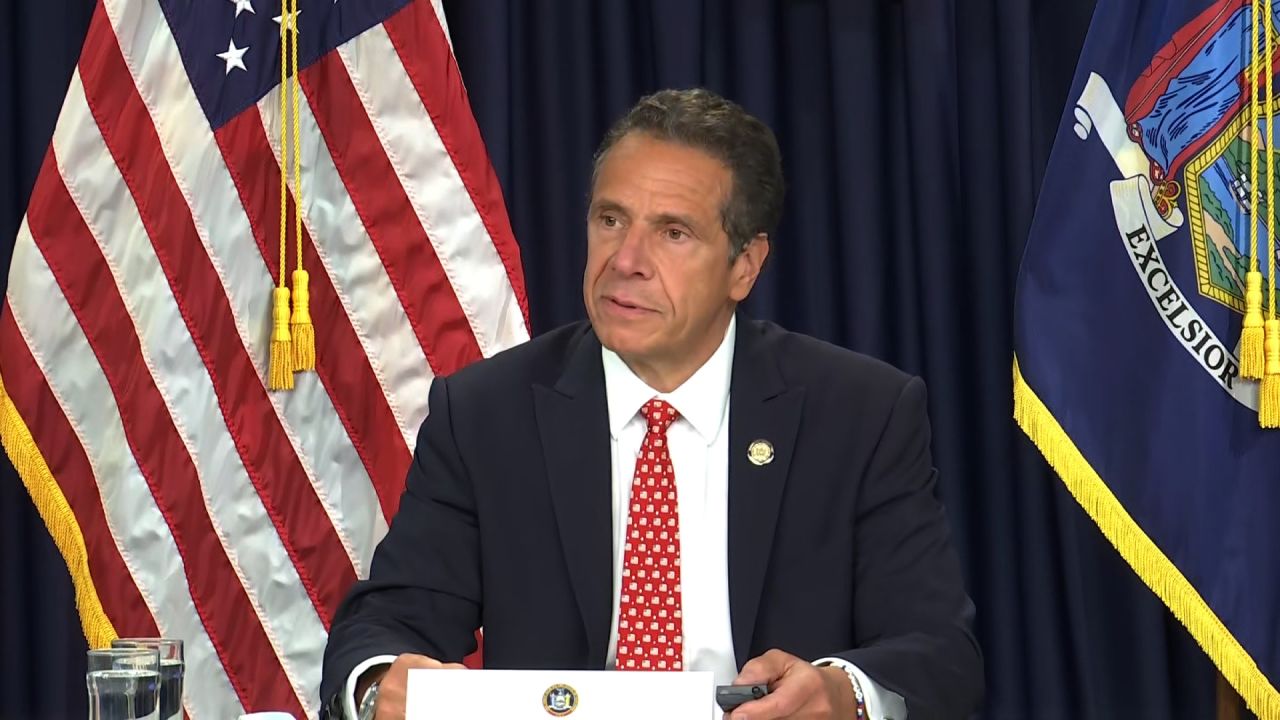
{"x":701,"y":400}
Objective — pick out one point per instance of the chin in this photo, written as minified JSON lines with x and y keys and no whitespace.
{"x":624,"y":341}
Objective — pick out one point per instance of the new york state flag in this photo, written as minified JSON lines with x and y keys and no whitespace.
{"x":1133,"y":373}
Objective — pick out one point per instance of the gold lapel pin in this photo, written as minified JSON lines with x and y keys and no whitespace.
{"x":760,"y":452}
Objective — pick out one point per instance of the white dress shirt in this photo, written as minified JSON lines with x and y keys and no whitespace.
{"x":699,"y":444}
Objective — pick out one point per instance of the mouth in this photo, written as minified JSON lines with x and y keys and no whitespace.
{"x":623,"y":306}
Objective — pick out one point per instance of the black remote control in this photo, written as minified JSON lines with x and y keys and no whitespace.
{"x":729,"y":697}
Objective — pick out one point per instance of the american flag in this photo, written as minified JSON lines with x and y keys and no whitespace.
{"x":187,"y":499}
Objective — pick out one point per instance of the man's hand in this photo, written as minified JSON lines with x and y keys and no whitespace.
{"x":797,"y":690}
{"x":395,"y":684}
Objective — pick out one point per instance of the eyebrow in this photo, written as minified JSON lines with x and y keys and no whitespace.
{"x":672,"y":219}
{"x":610,"y":205}
{"x":606,"y":205}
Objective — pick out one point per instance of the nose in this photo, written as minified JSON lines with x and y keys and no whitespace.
{"x":632,"y":254}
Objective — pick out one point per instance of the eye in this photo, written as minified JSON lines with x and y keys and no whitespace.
{"x":609,"y":221}
{"x":676,"y":234}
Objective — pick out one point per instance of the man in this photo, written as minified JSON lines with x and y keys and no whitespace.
{"x":672,"y":485}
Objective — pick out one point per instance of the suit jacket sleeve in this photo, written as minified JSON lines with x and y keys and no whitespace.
{"x":423,"y":593}
{"x":912,"y":617}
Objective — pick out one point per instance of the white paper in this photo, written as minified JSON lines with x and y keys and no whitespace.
{"x":592,"y":695}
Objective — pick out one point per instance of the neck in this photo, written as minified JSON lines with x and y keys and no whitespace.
{"x":667,"y":374}
{"x":661,"y":378}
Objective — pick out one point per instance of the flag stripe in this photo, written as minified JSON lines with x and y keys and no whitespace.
{"x":306,"y":415}
{"x":285,"y":491}
{"x":85,"y":280}
{"x":229,"y":516}
{"x":438,"y":196}
{"x":342,"y":364}
{"x":437,"y":6}
{"x":358,"y":274}
{"x":103,"y":200}
{"x":26,"y":387}
{"x":374,"y":329}
{"x":143,"y":467}
{"x":421,"y":285}
{"x":420,"y":36}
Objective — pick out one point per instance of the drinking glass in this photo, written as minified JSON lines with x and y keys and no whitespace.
{"x":123,"y":683}
{"x":172,"y":670}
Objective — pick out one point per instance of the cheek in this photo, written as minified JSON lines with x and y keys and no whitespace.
{"x":601,"y":247}
{"x":590,"y":280}
{"x":701,"y":295}
{"x":684,"y":289}
{"x":597,"y":259}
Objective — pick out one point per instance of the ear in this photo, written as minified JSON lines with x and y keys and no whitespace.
{"x":746,"y":267}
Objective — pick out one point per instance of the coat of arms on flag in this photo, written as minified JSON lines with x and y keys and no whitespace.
{"x":1147,"y":363}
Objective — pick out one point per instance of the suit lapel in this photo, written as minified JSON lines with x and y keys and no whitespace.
{"x":573,"y":424}
{"x":761,"y":408}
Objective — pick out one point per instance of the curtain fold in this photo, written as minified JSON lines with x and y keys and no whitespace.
{"x":914,"y":136}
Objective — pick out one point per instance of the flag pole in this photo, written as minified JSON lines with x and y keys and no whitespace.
{"x":1230,"y":706}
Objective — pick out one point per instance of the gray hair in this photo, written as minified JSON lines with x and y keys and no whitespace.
{"x":705,"y":121}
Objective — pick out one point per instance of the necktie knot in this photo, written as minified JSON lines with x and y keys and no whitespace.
{"x":659,"y":415}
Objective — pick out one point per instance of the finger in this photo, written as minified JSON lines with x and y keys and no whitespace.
{"x":792,"y":693}
{"x":767,"y":668}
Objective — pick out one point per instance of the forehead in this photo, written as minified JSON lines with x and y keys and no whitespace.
{"x":641,"y":169}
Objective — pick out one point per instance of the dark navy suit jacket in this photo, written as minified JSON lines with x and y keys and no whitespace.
{"x":836,"y":547}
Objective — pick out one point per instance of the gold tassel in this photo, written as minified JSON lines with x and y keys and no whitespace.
{"x":1269,"y":399}
{"x":1269,"y":393}
{"x":1251,"y":345}
{"x":280,"y":373}
{"x":304,"y":338}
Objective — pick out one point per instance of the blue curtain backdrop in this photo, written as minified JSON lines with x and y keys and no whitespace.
{"x":914,"y":132}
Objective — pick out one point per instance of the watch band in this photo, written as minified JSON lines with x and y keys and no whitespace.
{"x":369,"y":701}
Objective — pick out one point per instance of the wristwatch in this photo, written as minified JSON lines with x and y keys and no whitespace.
{"x":368,"y":702}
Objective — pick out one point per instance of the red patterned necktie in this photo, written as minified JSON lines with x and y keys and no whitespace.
{"x":650,"y":629}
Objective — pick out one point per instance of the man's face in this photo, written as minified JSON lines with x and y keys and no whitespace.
{"x":659,"y":286}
